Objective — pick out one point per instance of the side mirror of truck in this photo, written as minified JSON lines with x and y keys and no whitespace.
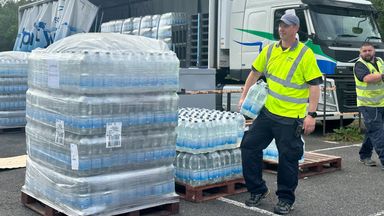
{"x":376,"y":14}
{"x":357,"y":30}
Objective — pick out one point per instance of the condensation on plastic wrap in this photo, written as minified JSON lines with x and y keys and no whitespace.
{"x":109,"y":194}
{"x":13,"y":85}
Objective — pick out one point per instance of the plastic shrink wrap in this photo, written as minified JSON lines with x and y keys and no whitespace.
{"x":101,"y":118}
{"x":13,"y":85}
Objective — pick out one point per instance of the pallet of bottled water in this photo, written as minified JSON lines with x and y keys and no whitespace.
{"x":158,"y":26}
{"x":207,"y":144}
{"x":272,"y":154}
{"x":13,"y":85}
{"x":101,"y":124}
{"x":204,"y":130}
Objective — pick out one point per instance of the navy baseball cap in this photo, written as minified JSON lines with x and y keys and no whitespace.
{"x":290,"y":19}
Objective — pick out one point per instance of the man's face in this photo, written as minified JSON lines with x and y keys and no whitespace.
{"x":287,"y":32}
{"x":367,"y":53}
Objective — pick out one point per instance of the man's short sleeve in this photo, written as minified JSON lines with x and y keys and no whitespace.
{"x":261,"y":59}
{"x":310,"y":67}
{"x":360,"y":71}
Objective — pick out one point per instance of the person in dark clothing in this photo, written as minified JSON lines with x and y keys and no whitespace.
{"x":369,"y":78}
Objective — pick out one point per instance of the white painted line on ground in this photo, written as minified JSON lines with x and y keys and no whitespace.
{"x":339,"y":147}
{"x":242,"y":205}
{"x":378,"y":214}
{"x":332,"y":142}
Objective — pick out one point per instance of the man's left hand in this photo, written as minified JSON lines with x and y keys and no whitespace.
{"x":309,"y":125}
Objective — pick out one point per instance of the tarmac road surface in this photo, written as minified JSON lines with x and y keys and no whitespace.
{"x":356,"y":190}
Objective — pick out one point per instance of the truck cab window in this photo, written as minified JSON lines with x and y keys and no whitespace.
{"x":303,"y":31}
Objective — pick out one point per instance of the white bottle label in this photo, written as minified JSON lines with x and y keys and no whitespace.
{"x":60,"y":132}
{"x":74,"y":157}
{"x":113,"y":135}
{"x":53,"y":74}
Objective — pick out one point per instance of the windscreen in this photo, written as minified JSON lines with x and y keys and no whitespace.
{"x":341,"y":24}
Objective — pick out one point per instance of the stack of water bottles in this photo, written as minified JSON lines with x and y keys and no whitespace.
{"x":13,"y":85}
{"x":112,"y":26}
{"x":152,"y":26}
{"x":167,"y":22}
{"x":207,"y":145}
{"x":101,"y":124}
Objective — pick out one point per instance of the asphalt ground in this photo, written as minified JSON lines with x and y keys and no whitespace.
{"x":356,"y":190}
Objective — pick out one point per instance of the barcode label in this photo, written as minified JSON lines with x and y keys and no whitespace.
{"x":60,"y":132}
{"x":113,"y":135}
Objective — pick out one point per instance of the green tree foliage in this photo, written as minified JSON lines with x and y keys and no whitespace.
{"x":379,"y":5}
{"x":9,"y":22}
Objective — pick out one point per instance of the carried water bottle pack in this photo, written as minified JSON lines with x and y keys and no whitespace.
{"x":101,"y":124}
{"x":13,"y":85}
{"x":255,"y":99}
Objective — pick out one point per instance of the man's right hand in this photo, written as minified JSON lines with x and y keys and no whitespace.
{"x":240,"y":103}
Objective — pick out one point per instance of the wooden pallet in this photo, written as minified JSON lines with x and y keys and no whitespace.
{"x":212,"y":191}
{"x":12,"y":130}
{"x":314,"y":164}
{"x":45,"y":210}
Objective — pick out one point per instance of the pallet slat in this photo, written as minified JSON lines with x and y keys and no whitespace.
{"x":212,"y":191}
{"x":19,"y":129}
{"x":314,"y":164}
{"x":45,"y":210}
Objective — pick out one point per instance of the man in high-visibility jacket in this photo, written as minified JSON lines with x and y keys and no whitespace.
{"x":369,"y":78}
{"x":293,"y":79}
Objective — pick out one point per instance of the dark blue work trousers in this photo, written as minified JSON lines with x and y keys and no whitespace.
{"x":374,"y":135}
{"x":290,"y":148}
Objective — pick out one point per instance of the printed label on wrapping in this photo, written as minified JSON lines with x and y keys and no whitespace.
{"x":113,"y":135}
{"x":53,"y":74}
{"x":60,"y":132}
{"x":74,"y":157}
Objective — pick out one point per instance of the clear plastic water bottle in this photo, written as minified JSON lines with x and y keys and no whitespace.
{"x":203,"y":170}
{"x":195,"y":168}
{"x":178,"y":165}
{"x":203,"y":135}
{"x":214,"y":165}
{"x":236,"y":163}
{"x":225,"y":164}
{"x":185,"y":171}
{"x":240,"y":120}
